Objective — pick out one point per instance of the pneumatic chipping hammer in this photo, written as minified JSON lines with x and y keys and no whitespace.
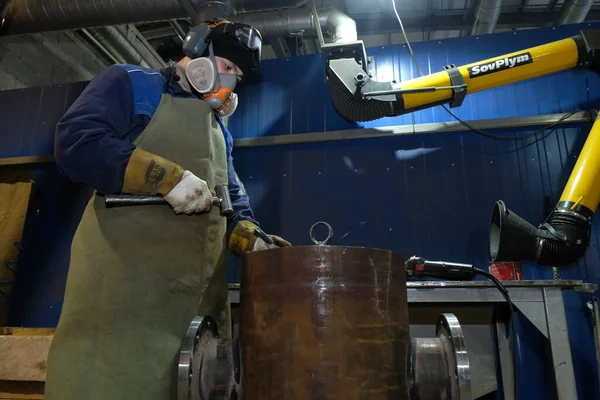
{"x":221,"y":199}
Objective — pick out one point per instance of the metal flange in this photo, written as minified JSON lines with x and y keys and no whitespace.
{"x":449,"y":327}
{"x":200,"y":331}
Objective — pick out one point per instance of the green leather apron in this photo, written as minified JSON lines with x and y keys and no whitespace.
{"x":138,"y":275}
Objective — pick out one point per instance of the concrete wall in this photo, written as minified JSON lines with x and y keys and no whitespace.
{"x":46,"y":58}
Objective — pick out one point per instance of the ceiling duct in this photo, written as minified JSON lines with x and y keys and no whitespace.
{"x":574,"y":11}
{"x":119,"y":47}
{"x":486,"y":16}
{"x":28,"y":16}
{"x":280,"y":23}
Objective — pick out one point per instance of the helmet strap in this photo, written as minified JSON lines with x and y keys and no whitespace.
{"x":211,"y":54}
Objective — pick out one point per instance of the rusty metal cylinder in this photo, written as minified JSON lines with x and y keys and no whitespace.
{"x":324,"y":323}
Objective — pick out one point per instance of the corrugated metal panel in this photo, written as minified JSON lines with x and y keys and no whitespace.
{"x":29,"y":117}
{"x":424,"y":194}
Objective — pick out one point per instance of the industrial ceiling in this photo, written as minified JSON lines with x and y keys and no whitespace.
{"x":423,"y":20}
{"x":150,"y":32}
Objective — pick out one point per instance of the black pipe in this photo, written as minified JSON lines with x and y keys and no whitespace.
{"x":560,"y":241}
{"x":26,"y":16}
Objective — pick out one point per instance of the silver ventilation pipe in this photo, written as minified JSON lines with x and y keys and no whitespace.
{"x":486,"y":16}
{"x":280,"y":23}
{"x":574,"y":11}
{"x":118,"y":46}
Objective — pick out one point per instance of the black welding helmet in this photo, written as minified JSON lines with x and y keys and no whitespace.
{"x":239,"y":43}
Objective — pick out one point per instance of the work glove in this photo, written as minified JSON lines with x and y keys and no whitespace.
{"x":150,"y":174}
{"x":190,"y":196}
{"x":243,"y":240}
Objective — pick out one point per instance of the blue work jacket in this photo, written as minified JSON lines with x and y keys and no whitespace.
{"x":94,"y":139}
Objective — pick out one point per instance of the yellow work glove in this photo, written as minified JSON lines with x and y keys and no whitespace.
{"x":243,"y":240}
{"x":150,"y":174}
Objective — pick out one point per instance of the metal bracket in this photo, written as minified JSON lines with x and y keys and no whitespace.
{"x":535,"y":313}
{"x":351,"y":50}
{"x":370,"y":68}
{"x":459,"y":90}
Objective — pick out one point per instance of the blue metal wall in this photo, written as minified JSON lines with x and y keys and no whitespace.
{"x":429,"y":194}
{"x":382,"y":193}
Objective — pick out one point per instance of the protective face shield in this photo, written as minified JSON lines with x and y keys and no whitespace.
{"x":240,"y":43}
{"x":216,"y":89}
{"x":244,"y":37}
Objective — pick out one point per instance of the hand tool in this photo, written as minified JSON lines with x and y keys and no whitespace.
{"x":261,"y":234}
{"x":418,"y":267}
{"x":221,"y":199}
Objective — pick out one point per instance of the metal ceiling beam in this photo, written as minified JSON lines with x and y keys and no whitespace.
{"x":281,"y":48}
{"x":158,"y":33}
{"x":178,"y":30}
{"x":118,"y":45}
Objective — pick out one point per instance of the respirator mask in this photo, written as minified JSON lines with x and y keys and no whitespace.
{"x":239,"y":43}
{"x":216,"y":89}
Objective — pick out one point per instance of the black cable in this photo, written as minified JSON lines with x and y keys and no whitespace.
{"x":513,"y":329}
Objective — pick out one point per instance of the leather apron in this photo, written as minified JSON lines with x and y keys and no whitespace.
{"x":139,"y":274}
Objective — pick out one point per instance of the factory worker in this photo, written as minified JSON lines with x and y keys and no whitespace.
{"x":138,"y":275}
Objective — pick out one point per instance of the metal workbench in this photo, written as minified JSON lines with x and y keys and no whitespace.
{"x":541,"y":302}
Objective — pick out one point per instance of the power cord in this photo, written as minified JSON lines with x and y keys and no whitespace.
{"x":464,"y":123}
{"x":481,"y":272}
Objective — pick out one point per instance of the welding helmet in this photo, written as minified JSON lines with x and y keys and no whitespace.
{"x":239,"y":43}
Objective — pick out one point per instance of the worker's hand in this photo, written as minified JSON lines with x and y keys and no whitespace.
{"x":190,"y":196}
{"x":243,"y":240}
{"x":260,"y":244}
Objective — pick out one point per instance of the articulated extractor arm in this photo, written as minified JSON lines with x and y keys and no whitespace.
{"x":565,"y":235}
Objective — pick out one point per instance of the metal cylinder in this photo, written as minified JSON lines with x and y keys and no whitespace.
{"x":574,"y":11}
{"x":428,"y":369}
{"x":324,"y":322}
{"x":486,"y":16}
{"x":438,"y":368}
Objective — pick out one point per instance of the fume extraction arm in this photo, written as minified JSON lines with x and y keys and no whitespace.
{"x":564,"y":236}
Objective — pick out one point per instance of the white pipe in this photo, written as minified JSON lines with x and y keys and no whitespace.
{"x":486,"y":16}
{"x":280,"y":23}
